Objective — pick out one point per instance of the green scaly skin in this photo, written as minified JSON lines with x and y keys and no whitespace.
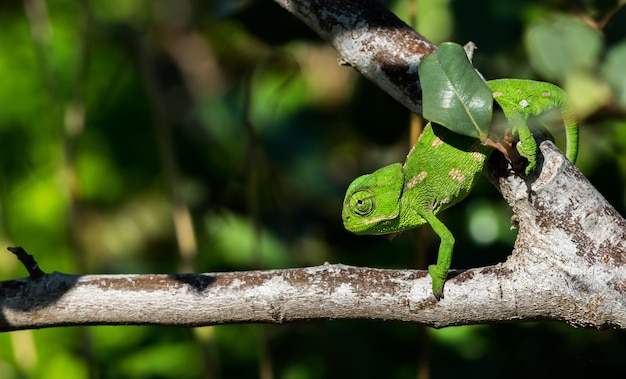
{"x":521,"y":99}
{"x":442,"y":168}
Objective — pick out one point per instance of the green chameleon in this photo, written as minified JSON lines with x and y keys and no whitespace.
{"x":443,"y":167}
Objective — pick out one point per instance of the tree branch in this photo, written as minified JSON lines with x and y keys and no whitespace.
{"x":371,"y":39}
{"x":570,"y":251}
{"x":568,"y":265}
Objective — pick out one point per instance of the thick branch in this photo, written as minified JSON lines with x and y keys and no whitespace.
{"x":372,"y":39}
{"x":324,"y":292}
{"x":568,"y":265}
{"x":570,"y":251}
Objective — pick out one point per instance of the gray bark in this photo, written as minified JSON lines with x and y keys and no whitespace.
{"x":567,"y":265}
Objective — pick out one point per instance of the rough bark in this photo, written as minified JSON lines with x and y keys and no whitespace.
{"x":567,"y":265}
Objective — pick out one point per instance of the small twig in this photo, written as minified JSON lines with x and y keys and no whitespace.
{"x":28,"y":261}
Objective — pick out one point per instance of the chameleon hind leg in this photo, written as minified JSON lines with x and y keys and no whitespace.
{"x":439,"y":271}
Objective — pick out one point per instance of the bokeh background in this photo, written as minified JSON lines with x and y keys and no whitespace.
{"x":198,"y":136}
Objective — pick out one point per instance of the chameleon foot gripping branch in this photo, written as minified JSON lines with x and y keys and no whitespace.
{"x":440,"y":170}
{"x":444,"y":164}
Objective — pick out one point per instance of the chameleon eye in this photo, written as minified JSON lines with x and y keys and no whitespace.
{"x":362,"y":203}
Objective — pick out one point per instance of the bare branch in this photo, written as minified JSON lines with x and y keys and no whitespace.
{"x":568,"y":265}
{"x":372,"y":39}
{"x":28,"y":261}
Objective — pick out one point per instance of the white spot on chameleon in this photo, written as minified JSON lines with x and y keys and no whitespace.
{"x":477,"y":156}
{"x":417,"y":179}
{"x":545,"y":94}
{"x":441,"y":202}
{"x":524,"y":104}
{"x":497,"y":94}
{"x":457,"y":175}
{"x":437,"y":142}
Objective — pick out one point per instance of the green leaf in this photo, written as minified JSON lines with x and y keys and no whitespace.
{"x":561,"y":45}
{"x":454,"y":95}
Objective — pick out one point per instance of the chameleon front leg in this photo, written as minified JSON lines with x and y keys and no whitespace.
{"x":439,"y":272}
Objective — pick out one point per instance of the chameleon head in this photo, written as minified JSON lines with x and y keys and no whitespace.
{"x":372,"y":202}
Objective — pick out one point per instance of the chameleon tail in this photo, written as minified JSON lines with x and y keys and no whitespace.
{"x":571,"y":131}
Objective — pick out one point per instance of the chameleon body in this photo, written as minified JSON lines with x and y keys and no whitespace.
{"x":442,"y":168}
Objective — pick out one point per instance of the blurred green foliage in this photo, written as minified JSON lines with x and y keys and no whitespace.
{"x":117,"y":115}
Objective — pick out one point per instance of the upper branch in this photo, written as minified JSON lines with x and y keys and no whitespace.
{"x":372,"y":39}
